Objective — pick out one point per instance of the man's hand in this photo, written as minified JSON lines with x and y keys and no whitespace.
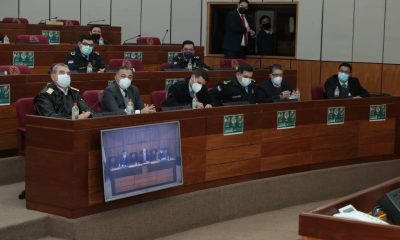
{"x":208,"y":106}
{"x":285,"y":94}
{"x":357,"y":97}
{"x":102,"y":70}
{"x":148,"y":109}
{"x":199,"y":105}
{"x":252,"y":33}
{"x":84,"y":115}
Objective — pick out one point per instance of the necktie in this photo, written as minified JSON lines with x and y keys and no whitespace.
{"x":246,"y":39}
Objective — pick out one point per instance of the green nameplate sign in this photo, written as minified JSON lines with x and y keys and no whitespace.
{"x":5,"y":94}
{"x":233,"y":124}
{"x":377,"y":112}
{"x":133,"y":55}
{"x":286,"y":119}
{"x":171,"y":56}
{"x":54,"y":36}
{"x":171,"y":81}
{"x":26,"y":58}
{"x":336,"y":115}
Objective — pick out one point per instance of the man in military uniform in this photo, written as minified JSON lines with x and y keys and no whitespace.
{"x":240,"y":88}
{"x":57,"y":98}
{"x":79,"y":59}
{"x":187,"y":55}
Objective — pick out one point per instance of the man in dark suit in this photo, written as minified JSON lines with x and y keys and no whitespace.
{"x":117,"y":95}
{"x":183,"y":92}
{"x":124,"y":160}
{"x":266,"y":41}
{"x":240,"y":88}
{"x":275,"y":89}
{"x":238,"y":31}
{"x":342,"y":85}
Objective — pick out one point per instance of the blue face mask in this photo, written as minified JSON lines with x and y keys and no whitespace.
{"x":86,"y":50}
{"x":343,"y":77}
{"x":188,"y":54}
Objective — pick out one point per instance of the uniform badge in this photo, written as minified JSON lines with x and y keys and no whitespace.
{"x":50,"y":91}
{"x":71,"y":62}
{"x":219,"y":88}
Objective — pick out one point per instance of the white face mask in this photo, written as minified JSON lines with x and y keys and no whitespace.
{"x":64,"y":80}
{"x":124,"y":83}
{"x":196,"y":87}
{"x":277,"y":81}
{"x":245,"y":82}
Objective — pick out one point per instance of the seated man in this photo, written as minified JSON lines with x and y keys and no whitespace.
{"x":274,"y":89}
{"x":182,"y":93}
{"x":187,"y":55}
{"x":240,"y":88}
{"x":117,"y":94}
{"x":342,"y":85}
{"x":95,"y":32}
{"x":83,"y":56}
{"x":58,"y":97}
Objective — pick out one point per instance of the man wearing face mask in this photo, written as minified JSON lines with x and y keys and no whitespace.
{"x":57,"y":98}
{"x":79,"y":59}
{"x":241,"y":88}
{"x":117,"y":94}
{"x":183,"y":92}
{"x":275,"y":89}
{"x":238,"y":32}
{"x":266,"y":42}
{"x":95,"y":32}
{"x":187,"y":55}
{"x":342,"y":85}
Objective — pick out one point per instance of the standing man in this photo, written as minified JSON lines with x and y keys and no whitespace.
{"x":83,"y":56}
{"x":343,"y":85}
{"x":240,"y":88}
{"x":238,"y":31}
{"x":57,"y":98}
{"x":275,"y":89}
{"x":266,"y":41}
{"x":186,"y":56}
{"x":117,"y":94}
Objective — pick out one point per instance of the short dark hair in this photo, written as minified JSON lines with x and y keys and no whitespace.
{"x":346,"y":64}
{"x":265,"y":16}
{"x":187,"y":42}
{"x":86,"y":37}
{"x":246,"y":1}
{"x":94,"y":26}
{"x":200,"y":72}
{"x":244,"y":67}
{"x":124,"y":68}
{"x":275,"y":67}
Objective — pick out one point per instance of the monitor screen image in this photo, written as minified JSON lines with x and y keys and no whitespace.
{"x":141,"y":159}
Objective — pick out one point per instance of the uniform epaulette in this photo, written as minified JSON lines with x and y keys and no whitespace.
{"x":254,"y":81}
{"x":50,"y":91}
{"x":73,"y":53}
{"x":227,"y":82}
{"x":196,"y":57}
{"x":97,"y":53}
{"x":75,"y":89}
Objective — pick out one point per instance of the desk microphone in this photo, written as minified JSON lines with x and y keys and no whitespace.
{"x":124,"y":43}
{"x":165,"y":34}
{"x":95,"y":21}
{"x":47,"y":19}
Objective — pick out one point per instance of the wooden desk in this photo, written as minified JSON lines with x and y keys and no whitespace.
{"x":46,"y":55}
{"x":63,"y":166}
{"x":320,"y":224}
{"x":68,"y":34}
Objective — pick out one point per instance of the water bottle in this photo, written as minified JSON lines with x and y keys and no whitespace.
{"x":101,"y":41}
{"x":5,"y":73}
{"x":6,"y":40}
{"x":194,"y":102}
{"x":337,"y":92}
{"x":89,"y":68}
{"x":129,"y":107}
{"x":190,"y":66}
{"x":75,"y":112}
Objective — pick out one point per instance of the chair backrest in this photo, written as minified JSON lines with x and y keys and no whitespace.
{"x":69,"y":22}
{"x":33,"y":39}
{"x":24,"y":106}
{"x":131,"y":63}
{"x":15,"y":69}
{"x":93,"y":99}
{"x":317,"y":92}
{"x":15,"y":20}
{"x":164,"y":66}
{"x":231,"y":63}
{"x":159,"y":99}
{"x":148,"y":41}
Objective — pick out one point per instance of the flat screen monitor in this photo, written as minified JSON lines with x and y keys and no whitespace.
{"x":141,"y":159}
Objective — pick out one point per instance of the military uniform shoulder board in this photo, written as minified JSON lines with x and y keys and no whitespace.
{"x":227,"y":82}
{"x":50,"y":91}
{"x":73,"y":53}
{"x":97,"y":53}
{"x":196,"y":57}
{"x":75,"y":89}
